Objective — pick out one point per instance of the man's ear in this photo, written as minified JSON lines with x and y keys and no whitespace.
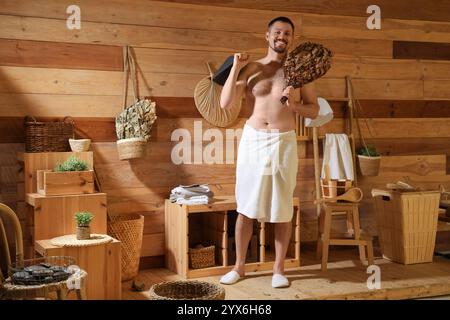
{"x":267,"y":36}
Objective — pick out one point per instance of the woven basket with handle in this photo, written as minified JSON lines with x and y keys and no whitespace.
{"x":51,"y":136}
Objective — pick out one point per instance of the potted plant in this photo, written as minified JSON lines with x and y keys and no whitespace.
{"x":134,"y":123}
{"x":71,"y":164}
{"x":369,"y":160}
{"x":70,"y":177}
{"x":83,"y":219}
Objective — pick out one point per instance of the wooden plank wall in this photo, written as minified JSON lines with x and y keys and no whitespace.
{"x":49,"y":71}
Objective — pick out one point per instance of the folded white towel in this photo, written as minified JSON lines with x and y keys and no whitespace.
{"x":192,"y":190}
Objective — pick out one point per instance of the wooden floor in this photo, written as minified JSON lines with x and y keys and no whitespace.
{"x":346,"y":278}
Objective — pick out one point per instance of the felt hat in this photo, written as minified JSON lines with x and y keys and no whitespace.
{"x":207,"y":100}
{"x":325,"y":114}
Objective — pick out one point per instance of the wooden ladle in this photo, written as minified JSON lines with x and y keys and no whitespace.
{"x":351,"y":195}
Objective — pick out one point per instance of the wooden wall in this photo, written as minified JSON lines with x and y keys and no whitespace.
{"x":401,"y":75}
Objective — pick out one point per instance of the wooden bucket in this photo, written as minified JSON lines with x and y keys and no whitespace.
{"x":333,"y":188}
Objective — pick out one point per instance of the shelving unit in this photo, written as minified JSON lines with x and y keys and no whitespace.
{"x":53,"y":215}
{"x":30,"y":163}
{"x":186,"y":225}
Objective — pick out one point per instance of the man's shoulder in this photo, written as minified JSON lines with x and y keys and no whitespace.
{"x":251,"y":67}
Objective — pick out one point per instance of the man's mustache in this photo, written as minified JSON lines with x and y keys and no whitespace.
{"x":284,"y":41}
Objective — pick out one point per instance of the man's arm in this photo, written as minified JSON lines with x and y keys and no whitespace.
{"x":236,"y":82}
{"x":309,"y":107}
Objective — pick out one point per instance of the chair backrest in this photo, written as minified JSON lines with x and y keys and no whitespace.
{"x":7,"y":214}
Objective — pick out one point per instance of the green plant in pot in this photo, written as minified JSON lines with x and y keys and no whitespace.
{"x":83,"y":219}
{"x":369,"y":160}
{"x":72,"y":164}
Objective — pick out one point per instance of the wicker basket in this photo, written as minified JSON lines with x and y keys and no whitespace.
{"x":203,"y":257}
{"x":48,"y":136}
{"x":131,"y":148}
{"x":334,"y":188}
{"x":186,"y":290}
{"x":369,"y":166}
{"x":407,"y":224}
{"x":79,"y":145}
{"x":128,"y":229}
{"x":58,"y":266}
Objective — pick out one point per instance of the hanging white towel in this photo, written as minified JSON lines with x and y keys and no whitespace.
{"x":338,"y":156}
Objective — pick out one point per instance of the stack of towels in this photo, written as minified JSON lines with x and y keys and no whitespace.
{"x":192,"y":194}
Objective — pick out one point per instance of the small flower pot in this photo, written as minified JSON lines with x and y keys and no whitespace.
{"x":79,"y":145}
{"x":83,"y":233}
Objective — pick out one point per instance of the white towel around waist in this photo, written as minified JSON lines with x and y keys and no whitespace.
{"x":266,"y":174}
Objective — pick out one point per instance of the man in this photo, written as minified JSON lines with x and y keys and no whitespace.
{"x":264,"y":189}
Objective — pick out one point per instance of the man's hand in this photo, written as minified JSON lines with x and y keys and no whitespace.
{"x":289,"y":93}
{"x":240,"y":60}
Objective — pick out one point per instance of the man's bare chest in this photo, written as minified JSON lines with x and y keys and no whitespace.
{"x":266,"y":82}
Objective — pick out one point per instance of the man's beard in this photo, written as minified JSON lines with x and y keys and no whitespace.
{"x":279,"y":50}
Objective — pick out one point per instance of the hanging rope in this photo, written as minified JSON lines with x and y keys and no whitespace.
{"x":356,"y":106}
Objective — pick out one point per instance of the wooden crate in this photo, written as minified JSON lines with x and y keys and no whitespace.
{"x":60,"y":183}
{"x":55,"y":215}
{"x":210,"y":222}
{"x":31,"y":162}
{"x":101,"y":262}
{"x":52,"y":183}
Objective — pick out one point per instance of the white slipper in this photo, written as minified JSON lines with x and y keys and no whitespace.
{"x":279,"y":281}
{"x":230,"y":278}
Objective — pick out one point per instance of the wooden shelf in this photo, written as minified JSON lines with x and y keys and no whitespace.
{"x":53,"y":216}
{"x":186,"y":225}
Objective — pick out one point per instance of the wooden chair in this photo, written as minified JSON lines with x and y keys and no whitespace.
{"x":8,"y":290}
{"x":353,"y":237}
{"x":327,"y":209}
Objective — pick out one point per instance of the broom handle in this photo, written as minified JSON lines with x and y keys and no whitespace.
{"x":316,"y":168}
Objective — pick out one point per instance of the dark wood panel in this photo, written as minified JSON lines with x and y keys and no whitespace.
{"x":103,"y":129}
{"x":168,"y":107}
{"x":399,"y":147}
{"x":25,"y":53}
{"x":98,"y":129}
{"x":434,"y":10}
{"x":401,"y":109}
{"x":421,"y":50}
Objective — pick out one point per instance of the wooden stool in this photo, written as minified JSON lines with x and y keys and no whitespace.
{"x":352,"y":237}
